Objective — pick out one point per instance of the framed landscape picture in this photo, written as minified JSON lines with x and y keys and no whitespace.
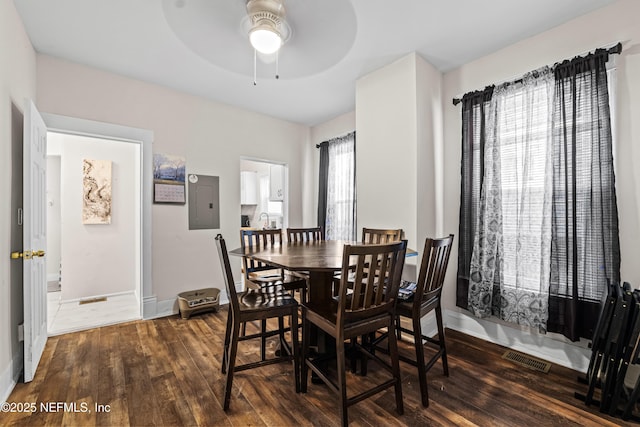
{"x":169,"y":179}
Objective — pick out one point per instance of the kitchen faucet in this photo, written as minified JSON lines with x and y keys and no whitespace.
{"x":266,"y":224}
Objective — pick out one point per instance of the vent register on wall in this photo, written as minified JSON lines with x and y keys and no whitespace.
{"x":169,"y":173}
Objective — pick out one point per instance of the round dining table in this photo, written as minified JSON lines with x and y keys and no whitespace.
{"x":321,"y":259}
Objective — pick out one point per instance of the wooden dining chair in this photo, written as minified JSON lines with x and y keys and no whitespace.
{"x":433,"y":268}
{"x":373,"y":235}
{"x":259,"y":274}
{"x":378,"y":235}
{"x":255,"y":304}
{"x":377,"y":271}
{"x":311,"y":234}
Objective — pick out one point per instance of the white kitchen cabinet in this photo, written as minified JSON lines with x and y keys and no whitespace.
{"x":276,"y":183}
{"x":248,"y":188}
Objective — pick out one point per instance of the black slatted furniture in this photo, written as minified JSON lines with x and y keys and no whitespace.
{"x":376,"y":273}
{"x":299,"y":236}
{"x":433,"y":269}
{"x":259,"y":274}
{"x":256,"y":304}
{"x":378,"y":235}
{"x":615,"y":353}
{"x":302,"y":235}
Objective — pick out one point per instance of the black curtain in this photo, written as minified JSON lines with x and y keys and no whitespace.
{"x":585,"y":252}
{"x":475,"y":106}
{"x":323,"y":180}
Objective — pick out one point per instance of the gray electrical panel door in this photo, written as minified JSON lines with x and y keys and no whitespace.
{"x":204,"y":202}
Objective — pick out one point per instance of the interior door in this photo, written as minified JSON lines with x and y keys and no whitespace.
{"x":35,"y":239}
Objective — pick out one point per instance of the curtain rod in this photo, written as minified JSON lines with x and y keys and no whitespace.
{"x":337,"y":137}
{"x":611,"y":51}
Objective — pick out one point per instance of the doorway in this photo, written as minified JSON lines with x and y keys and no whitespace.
{"x":92,"y":269}
{"x":264,"y":195}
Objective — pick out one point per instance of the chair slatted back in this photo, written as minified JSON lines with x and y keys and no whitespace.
{"x":380,"y":236}
{"x":258,"y":239}
{"x":229,"y":283}
{"x":433,"y":268}
{"x":374,"y":272}
{"x":303,"y":235}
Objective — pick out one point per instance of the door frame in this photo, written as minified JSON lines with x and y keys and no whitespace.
{"x":143,"y":137}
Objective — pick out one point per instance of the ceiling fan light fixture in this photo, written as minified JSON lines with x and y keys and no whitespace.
{"x":266,"y":20}
{"x":265,"y":40}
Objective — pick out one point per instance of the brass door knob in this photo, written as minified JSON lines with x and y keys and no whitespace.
{"x":23,"y":255}
{"x":27,"y":254}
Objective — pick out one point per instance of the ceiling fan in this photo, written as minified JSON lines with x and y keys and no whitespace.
{"x":223,"y":33}
{"x":268,"y":29}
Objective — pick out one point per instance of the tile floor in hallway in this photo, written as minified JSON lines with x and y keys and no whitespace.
{"x":72,"y":316}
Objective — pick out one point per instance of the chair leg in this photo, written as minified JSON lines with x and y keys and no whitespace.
{"x":422,"y":370}
{"x":367,"y":343}
{"x":295,"y":347}
{"x":395,"y":365}
{"x":227,"y":338}
{"x":443,"y":348}
{"x":398,"y":325}
{"x":233,"y":350}
{"x":304,"y":369}
{"x":263,"y":339}
{"x":354,"y":354}
{"x":342,"y":381}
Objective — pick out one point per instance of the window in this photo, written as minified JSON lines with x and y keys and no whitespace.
{"x":538,"y":215}
{"x":337,"y":198}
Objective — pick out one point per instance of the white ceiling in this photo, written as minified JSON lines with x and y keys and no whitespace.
{"x":201,"y":46}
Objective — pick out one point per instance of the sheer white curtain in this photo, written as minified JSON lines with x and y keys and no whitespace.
{"x":341,"y":197}
{"x":510,"y":264}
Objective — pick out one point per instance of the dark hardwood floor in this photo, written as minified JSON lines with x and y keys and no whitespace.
{"x":166,"y":372}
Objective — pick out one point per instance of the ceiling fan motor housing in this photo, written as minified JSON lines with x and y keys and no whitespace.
{"x":266,"y":14}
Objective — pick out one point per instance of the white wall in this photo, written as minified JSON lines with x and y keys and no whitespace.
{"x":398,"y":128}
{"x":17,"y":82}
{"x":386,"y":173}
{"x":54,"y":220}
{"x":430,"y":140}
{"x":604,"y":27}
{"x":211,"y":136}
{"x":98,"y":259}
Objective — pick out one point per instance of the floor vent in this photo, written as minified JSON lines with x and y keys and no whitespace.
{"x":527,"y":361}
{"x":91,"y":300}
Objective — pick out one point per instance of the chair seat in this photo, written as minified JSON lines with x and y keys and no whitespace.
{"x":325,"y":317}
{"x":261,"y":299}
{"x":405,"y":308}
{"x":289,"y":280}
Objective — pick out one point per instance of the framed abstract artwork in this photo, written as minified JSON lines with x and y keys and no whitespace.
{"x":96,"y":191}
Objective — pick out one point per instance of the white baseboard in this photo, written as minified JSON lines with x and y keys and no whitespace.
{"x":551,"y":347}
{"x":9,"y":378}
{"x":149,"y":307}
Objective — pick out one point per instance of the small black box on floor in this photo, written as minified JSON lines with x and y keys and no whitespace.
{"x":198,"y":301}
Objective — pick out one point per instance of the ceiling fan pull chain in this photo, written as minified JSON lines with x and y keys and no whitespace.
{"x":277,"y":56}
{"x":254,"y":67}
